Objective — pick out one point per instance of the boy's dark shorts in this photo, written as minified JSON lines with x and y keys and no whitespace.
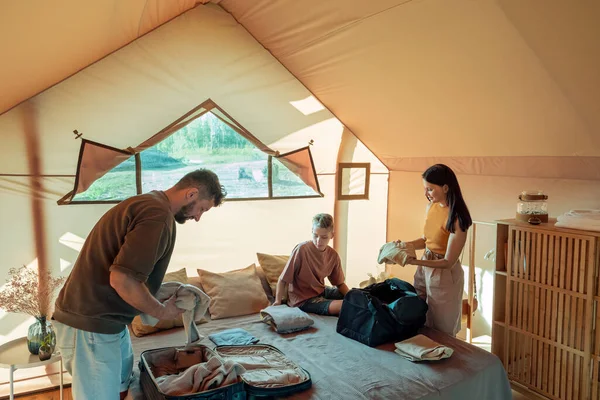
{"x":320,"y":304}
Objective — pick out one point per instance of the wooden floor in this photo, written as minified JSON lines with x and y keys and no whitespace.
{"x":50,"y":395}
{"x":53,"y":395}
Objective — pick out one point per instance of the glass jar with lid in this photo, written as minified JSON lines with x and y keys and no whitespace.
{"x":532,"y":207}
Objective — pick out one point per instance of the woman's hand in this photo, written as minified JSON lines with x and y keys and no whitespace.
{"x":411,"y":261}
{"x":276,"y":303}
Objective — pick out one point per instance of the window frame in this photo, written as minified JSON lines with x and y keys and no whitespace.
{"x":172,"y":128}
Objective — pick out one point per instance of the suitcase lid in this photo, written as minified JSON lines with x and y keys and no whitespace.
{"x":268,"y":371}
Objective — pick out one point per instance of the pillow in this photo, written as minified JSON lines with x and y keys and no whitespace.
{"x":139,"y":329}
{"x":195,"y":280}
{"x":273,"y":267}
{"x":265,"y":283}
{"x":233,"y":293}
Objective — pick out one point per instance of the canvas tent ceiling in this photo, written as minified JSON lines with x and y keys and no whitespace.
{"x":492,"y":78}
{"x":115,"y":100}
{"x":48,"y":41}
{"x":477,"y":78}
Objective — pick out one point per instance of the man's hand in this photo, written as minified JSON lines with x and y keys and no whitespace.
{"x":137,"y":295}
{"x":169,"y":310}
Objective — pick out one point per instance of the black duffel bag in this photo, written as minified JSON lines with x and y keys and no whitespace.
{"x":383,"y":312}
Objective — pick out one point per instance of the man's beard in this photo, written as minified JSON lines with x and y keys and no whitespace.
{"x":181,"y":215}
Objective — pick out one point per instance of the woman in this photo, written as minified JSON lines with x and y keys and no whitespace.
{"x":440,"y":278}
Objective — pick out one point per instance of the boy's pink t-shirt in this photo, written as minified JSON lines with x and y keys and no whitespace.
{"x":306,"y":270}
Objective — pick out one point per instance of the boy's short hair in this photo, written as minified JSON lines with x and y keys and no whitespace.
{"x":324,"y":221}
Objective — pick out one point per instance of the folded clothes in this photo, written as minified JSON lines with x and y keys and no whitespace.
{"x":392,"y":253}
{"x":232,"y":337}
{"x":589,"y":214}
{"x":286,"y":319}
{"x":588,"y":220}
{"x":421,"y":348}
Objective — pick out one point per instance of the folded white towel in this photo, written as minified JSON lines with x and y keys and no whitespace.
{"x":189,"y":298}
{"x":286,"y":319}
{"x":583,"y":213}
{"x":588,"y":220}
{"x":421,"y":348}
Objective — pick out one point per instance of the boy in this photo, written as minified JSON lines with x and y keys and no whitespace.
{"x":309,"y":264}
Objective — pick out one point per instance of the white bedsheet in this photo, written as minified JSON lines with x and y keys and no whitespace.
{"x":342,"y":368}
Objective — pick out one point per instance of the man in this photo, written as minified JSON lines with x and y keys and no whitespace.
{"x":119,"y":270}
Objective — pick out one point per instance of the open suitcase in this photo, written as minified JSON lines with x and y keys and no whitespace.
{"x":269,"y":373}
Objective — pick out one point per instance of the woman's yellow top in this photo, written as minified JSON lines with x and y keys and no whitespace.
{"x":435,"y":233}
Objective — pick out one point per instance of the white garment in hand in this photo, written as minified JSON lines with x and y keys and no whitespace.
{"x":392,"y":253}
{"x":421,"y":348}
{"x":189,"y":298}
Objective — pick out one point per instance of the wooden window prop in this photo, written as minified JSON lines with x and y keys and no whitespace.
{"x":353,"y":181}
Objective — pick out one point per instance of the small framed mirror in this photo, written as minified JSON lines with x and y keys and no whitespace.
{"x":353,"y":181}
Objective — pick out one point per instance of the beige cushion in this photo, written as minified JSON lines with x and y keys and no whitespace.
{"x":139,"y":329}
{"x":273,"y":267}
{"x":233,"y":293}
{"x":195,"y":280}
{"x":265,"y":283}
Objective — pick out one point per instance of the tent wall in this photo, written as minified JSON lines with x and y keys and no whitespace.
{"x":60,"y":38}
{"x":458,"y":79}
{"x":488,"y":199}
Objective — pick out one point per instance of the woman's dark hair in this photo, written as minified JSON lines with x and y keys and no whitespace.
{"x":440,"y":174}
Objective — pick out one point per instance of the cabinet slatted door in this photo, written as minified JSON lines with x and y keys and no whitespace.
{"x":595,"y":395}
{"x":550,"y":313}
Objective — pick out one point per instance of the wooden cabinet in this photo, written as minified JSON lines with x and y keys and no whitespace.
{"x":546,"y":322}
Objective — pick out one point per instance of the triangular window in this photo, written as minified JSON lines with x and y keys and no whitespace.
{"x":206,"y":137}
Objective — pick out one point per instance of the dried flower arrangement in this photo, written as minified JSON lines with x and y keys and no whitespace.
{"x":28,"y":292}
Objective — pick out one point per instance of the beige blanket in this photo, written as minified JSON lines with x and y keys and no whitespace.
{"x":392,"y":253}
{"x":342,"y":368}
{"x":189,"y":298}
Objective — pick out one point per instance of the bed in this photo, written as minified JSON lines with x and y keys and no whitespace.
{"x":342,"y":368}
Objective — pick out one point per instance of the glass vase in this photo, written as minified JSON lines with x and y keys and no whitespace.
{"x":41,"y":333}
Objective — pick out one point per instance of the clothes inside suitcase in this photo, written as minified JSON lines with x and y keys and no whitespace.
{"x":268,"y":372}
{"x":158,"y":363}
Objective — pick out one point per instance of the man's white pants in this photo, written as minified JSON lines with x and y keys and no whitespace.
{"x":100,"y":364}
